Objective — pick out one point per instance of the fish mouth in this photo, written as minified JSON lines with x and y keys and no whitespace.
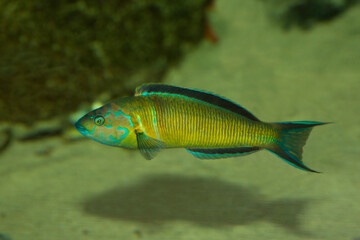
{"x":81,"y":129}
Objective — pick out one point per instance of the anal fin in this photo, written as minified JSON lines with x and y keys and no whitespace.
{"x":217,"y":153}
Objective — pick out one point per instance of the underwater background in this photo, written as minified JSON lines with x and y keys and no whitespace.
{"x":282,"y":60}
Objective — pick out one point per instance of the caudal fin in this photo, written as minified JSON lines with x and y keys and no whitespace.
{"x":292,"y":138}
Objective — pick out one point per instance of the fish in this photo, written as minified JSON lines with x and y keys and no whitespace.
{"x":208,"y":126}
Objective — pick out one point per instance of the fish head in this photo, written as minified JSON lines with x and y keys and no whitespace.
{"x":110,"y":125}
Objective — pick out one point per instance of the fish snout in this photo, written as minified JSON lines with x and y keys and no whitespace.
{"x":81,"y":128}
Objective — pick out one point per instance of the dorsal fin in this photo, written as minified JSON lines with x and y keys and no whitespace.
{"x":149,"y":89}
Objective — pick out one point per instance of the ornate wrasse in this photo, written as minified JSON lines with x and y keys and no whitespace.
{"x":208,"y":126}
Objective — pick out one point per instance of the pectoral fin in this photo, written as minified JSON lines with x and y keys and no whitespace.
{"x":216,"y":153}
{"x":148,"y":146}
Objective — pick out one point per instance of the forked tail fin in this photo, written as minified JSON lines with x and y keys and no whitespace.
{"x":292,"y":138}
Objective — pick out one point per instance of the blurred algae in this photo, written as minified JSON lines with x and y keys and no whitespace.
{"x":56,"y":55}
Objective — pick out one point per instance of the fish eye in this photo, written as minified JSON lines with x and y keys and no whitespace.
{"x":99,"y":120}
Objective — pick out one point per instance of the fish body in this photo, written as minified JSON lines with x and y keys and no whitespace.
{"x":208,"y":126}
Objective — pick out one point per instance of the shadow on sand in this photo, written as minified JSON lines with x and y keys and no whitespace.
{"x":203,"y":201}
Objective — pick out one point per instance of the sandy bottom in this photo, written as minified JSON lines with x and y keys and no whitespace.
{"x":84,"y":190}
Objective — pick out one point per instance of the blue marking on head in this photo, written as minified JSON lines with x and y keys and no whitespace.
{"x":127,"y":116}
{"x":125,"y":134}
{"x":122,"y":137}
{"x":92,"y":131}
{"x":114,"y":139}
{"x":108,"y":114}
{"x":117,"y":114}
